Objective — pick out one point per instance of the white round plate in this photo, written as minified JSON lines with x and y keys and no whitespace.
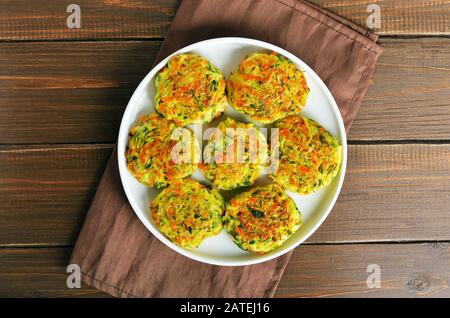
{"x":226,"y":54}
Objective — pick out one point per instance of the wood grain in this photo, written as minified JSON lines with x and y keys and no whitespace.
{"x":410,"y":95}
{"x":38,"y":273}
{"x":76,"y":92}
{"x":112,"y":19}
{"x":68,"y":92}
{"x":398,"y":17}
{"x":45,"y":192}
{"x":108,"y":19}
{"x":391,"y":193}
{"x":407,"y":270}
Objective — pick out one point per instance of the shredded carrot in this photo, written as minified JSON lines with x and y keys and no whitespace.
{"x":304,"y":169}
{"x":252,"y":77}
{"x":143,"y":158}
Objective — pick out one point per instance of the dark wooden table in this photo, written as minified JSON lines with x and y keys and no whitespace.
{"x":63,"y":91}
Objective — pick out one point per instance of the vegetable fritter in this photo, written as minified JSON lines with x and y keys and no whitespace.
{"x":190,"y":90}
{"x":188,"y":212}
{"x":149,"y":152}
{"x":262,"y":218}
{"x":235,"y":155}
{"x":267,"y":87}
{"x":310,"y":157}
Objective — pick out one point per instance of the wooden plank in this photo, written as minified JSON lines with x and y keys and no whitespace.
{"x":410,"y":96}
{"x":407,"y":270}
{"x":76,"y":92}
{"x":109,"y":19}
{"x":68,"y":92}
{"x":38,"y":273}
{"x":24,"y":20}
{"x":398,"y":17}
{"x":45,"y":192}
{"x":391,"y":193}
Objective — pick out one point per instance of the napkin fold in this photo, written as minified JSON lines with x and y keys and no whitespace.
{"x":114,"y":250}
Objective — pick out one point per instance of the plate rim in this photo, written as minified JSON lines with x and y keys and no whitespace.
{"x":264,"y":257}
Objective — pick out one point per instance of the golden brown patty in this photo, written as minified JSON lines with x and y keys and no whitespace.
{"x":149,"y":151}
{"x":267,"y":87}
{"x":309,"y":156}
{"x":190,"y":90}
{"x":187,"y":212}
{"x":262,"y":219}
{"x":235,"y":155}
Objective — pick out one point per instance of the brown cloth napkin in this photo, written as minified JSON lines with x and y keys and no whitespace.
{"x":116,"y":253}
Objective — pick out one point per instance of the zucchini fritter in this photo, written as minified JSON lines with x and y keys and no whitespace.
{"x":190,"y":90}
{"x":188,"y":212}
{"x":267,"y":87}
{"x":241,"y":142}
{"x":262,"y":218}
{"x":149,"y":152}
{"x":310,"y":156}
